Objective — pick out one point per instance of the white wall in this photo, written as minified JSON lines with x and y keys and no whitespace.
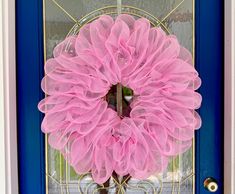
{"x":8,"y":143}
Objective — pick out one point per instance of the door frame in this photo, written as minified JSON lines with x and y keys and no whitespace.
{"x":229,"y":96}
{"x":8,"y":129}
{"x":8,"y":147}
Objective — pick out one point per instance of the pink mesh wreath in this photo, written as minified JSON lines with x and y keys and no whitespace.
{"x":90,"y":134}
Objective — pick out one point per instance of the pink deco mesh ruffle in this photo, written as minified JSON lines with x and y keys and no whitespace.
{"x":91,"y":135}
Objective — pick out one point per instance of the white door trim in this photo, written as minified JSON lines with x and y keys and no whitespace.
{"x":229,"y":94}
{"x":8,"y":133}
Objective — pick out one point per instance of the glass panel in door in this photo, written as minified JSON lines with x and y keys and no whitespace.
{"x":64,"y":18}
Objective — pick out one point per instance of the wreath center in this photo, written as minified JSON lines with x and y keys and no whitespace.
{"x":120,"y":100}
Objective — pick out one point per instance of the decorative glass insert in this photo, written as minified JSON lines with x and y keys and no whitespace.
{"x":62,"y":18}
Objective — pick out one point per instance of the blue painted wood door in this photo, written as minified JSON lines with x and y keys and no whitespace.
{"x":209,"y":63}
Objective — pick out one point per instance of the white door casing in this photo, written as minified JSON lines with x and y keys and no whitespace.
{"x":229,"y":97}
{"x":8,"y":140}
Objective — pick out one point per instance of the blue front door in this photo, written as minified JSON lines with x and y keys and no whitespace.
{"x":30,"y":60}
